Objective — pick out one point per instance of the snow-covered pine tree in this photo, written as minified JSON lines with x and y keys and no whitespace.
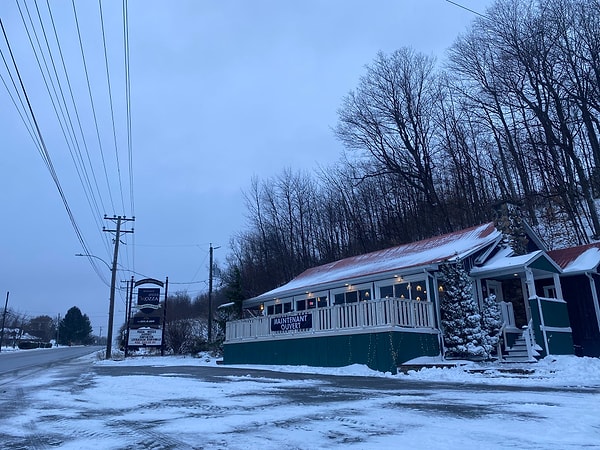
{"x":461,"y":321}
{"x":491,"y":323}
{"x":511,"y":225}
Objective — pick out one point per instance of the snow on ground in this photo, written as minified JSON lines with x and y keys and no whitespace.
{"x":565,"y":371}
{"x":551,"y":404}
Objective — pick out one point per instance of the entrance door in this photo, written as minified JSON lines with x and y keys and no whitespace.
{"x":506,"y":308}
{"x":495,"y":288}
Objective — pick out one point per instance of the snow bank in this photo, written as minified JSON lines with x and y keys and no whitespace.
{"x":566,"y":371}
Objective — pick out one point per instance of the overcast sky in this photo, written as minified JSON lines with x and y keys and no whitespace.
{"x":221,"y":91}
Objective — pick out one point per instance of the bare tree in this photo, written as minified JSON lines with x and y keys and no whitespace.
{"x":390,"y":117}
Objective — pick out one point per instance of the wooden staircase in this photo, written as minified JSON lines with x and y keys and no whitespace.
{"x":524,"y":349}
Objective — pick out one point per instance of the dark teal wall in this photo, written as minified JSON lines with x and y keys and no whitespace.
{"x":383,"y":351}
{"x":555,"y":314}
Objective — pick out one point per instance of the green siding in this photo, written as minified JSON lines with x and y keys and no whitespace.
{"x":544,"y":264}
{"x":383,"y":351}
{"x":560,"y":343}
{"x":555,"y":314}
{"x":537,"y":330}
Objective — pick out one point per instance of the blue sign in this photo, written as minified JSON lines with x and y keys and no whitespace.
{"x":148,"y":299}
{"x":292,"y":323}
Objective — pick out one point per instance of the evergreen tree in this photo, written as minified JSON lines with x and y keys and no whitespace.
{"x":461,"y":321}
{"x":491,"y":323}
{"x":75,"y":328}
{"x":234,"y":291}
{"x":511,"y":225}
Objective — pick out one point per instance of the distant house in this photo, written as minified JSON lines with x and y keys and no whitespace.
{"x":580,"y":282}
{"x":382,"y":309}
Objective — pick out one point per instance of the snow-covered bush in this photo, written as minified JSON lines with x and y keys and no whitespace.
{"x":491,"y":323}
{"x":461,"y":321}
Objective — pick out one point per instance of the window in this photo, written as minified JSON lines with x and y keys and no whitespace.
{"x":386,"y":291}
{"x":351,"y":297}
{"x":322,"y":302}
{"x":270,"y":310}
{"x":407,"y":290}
{"x":402,"y":290}
{"x":364,"y":295}
{"x":312,"y":301}
{"x":342,"y":298}
{"x":419,"y":293}
{"x":278,"y":309}
{"x":550,"y":291}
{"x":287,"y":307}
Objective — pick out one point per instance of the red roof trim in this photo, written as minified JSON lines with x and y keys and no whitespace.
{"x":566,"y":256}
{"x":400,"y":258}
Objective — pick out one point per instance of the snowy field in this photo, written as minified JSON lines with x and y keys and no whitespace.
{"x":93,"y":404}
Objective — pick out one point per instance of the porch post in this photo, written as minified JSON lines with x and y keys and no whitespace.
{"x":557,"y":286}
{"x":533,"y":294}
{"x":525,"y":289}
{"x":594,"y":297}
{"x":530,"y":283}
{"x":438,"y":310}
{"x":478,"y":292}
{"x":543,"y":325}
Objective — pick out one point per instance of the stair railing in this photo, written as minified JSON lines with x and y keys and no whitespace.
{"x":530,"y":341}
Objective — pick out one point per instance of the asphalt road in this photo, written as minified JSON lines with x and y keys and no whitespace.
{"x":72,"y":403}
{"x":18,"y":363}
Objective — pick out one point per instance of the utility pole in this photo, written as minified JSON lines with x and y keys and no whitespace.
{"x":113,"y":279}
{"x":57,"y":328}
{"x":3,"y":321}
{"x":210,"y":287}
{"x":130,"y":285}
{"x":210,"y":276}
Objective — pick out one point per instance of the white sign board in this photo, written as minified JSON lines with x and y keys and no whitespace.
{"x":140,"y":337}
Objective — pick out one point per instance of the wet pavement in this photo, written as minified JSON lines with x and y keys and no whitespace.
{"x":81,"y":405}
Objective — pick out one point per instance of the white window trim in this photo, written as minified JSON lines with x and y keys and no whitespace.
{"x":399,"y":280}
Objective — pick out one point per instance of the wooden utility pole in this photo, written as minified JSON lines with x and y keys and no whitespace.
{"x":210,"y":288}
{"x":128,"y":312}
{"x":3,"y":321}
{"x":164,"y":318}
{"x":210,"y":278}
{"x":113,"y":280}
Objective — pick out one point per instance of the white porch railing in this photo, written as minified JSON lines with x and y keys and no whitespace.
{"x":369,"y":314}
{"x":508,"y":314}
{"x":529,"y":337}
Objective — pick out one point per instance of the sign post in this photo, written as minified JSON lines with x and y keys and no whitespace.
{"x":146,"y":328}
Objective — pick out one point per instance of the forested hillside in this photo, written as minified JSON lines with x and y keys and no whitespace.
{"x":509,"y":119}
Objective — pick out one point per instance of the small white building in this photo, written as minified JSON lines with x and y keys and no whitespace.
{"x":382,"y":309}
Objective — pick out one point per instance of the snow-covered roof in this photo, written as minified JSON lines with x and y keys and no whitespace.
{"x":503,"y":262}
{"x":401,"y":258}
{"x":583,"y":258}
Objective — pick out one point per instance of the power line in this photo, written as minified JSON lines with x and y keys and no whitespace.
{"x":45,"y":154}
{"x":77,"y":116}
{"x":44,"y":50}
{"x":22,"y":114}
{"x":69,"y":135}
{"x":468,"y":9}
{"x":87,"y":77}
{"x":112,"y":113}
{"x":83,"y":138}
{"x":128,"y":102}
{"x":128,"y":115}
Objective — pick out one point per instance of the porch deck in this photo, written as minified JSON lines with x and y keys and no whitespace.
{"x":366,"y":315}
